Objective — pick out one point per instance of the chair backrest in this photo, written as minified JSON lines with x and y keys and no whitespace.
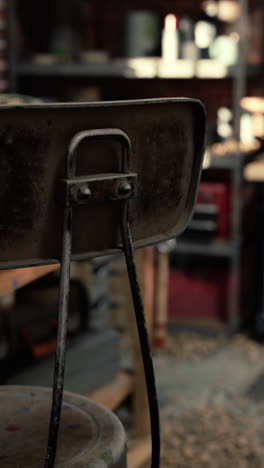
{"x":167,"y":143}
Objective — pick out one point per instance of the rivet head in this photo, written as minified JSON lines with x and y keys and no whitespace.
{"x":124,"y":189}
{"x":84,"y":193}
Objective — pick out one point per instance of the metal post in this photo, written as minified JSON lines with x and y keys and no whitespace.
{"x":11,"y":34}
{"x":239,"y":93}
{"x":61,"y":338}
{"x":143,"y":338}
{"x":241,"y":67}
{"x":234,"y":280}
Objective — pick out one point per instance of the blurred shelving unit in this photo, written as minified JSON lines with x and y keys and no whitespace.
{"x":229,"y":249}
{"x":133,"y":78}
{"x":233,"y":163}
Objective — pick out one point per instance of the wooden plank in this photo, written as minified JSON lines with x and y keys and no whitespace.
{"x":111,"y":395}
{"x":10,"y":280}
{"x":139,"y":453}
{"x":161,"y":302}
{"x":254,"y":172}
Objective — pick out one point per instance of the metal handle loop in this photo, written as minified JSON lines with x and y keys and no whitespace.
{"x":107,"y":133}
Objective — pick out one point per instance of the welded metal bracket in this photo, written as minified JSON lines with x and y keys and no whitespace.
{"x":101,"y":187}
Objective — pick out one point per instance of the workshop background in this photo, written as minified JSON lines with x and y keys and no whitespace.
{"x":204,"y":291}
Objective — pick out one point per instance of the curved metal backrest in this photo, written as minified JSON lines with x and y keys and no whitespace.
{"x":167,"y":142}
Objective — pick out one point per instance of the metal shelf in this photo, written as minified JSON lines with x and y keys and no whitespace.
{"x":251,"y":70}
{"x":213,"y":249}
{"x":141,"y":68}
{"x":224,"y":162}
{"x":109,"y":69}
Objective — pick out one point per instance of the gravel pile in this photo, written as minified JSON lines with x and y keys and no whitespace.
{"x":213,"y":437}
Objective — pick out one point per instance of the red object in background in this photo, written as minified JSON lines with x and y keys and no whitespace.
{"x":192,"y":296}
{"x":218,"y":194}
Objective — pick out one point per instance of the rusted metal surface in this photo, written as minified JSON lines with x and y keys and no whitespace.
{"x":167,"y":149}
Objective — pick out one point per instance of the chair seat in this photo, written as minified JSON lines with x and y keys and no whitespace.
{"x":90,"y":436}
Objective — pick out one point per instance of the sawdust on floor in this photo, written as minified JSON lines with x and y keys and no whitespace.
{"x":213,"y":436}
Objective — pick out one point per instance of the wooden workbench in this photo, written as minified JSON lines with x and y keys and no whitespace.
{"x":11,"y":280}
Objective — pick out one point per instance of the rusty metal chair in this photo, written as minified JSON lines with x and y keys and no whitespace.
{"x":79,"y":181}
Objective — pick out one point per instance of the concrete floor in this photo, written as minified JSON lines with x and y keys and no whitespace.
{"x":231,"y":372}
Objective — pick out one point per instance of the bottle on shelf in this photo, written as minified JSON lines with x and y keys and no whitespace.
{"x":170,"y":39}
{"x":188,"y":48}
